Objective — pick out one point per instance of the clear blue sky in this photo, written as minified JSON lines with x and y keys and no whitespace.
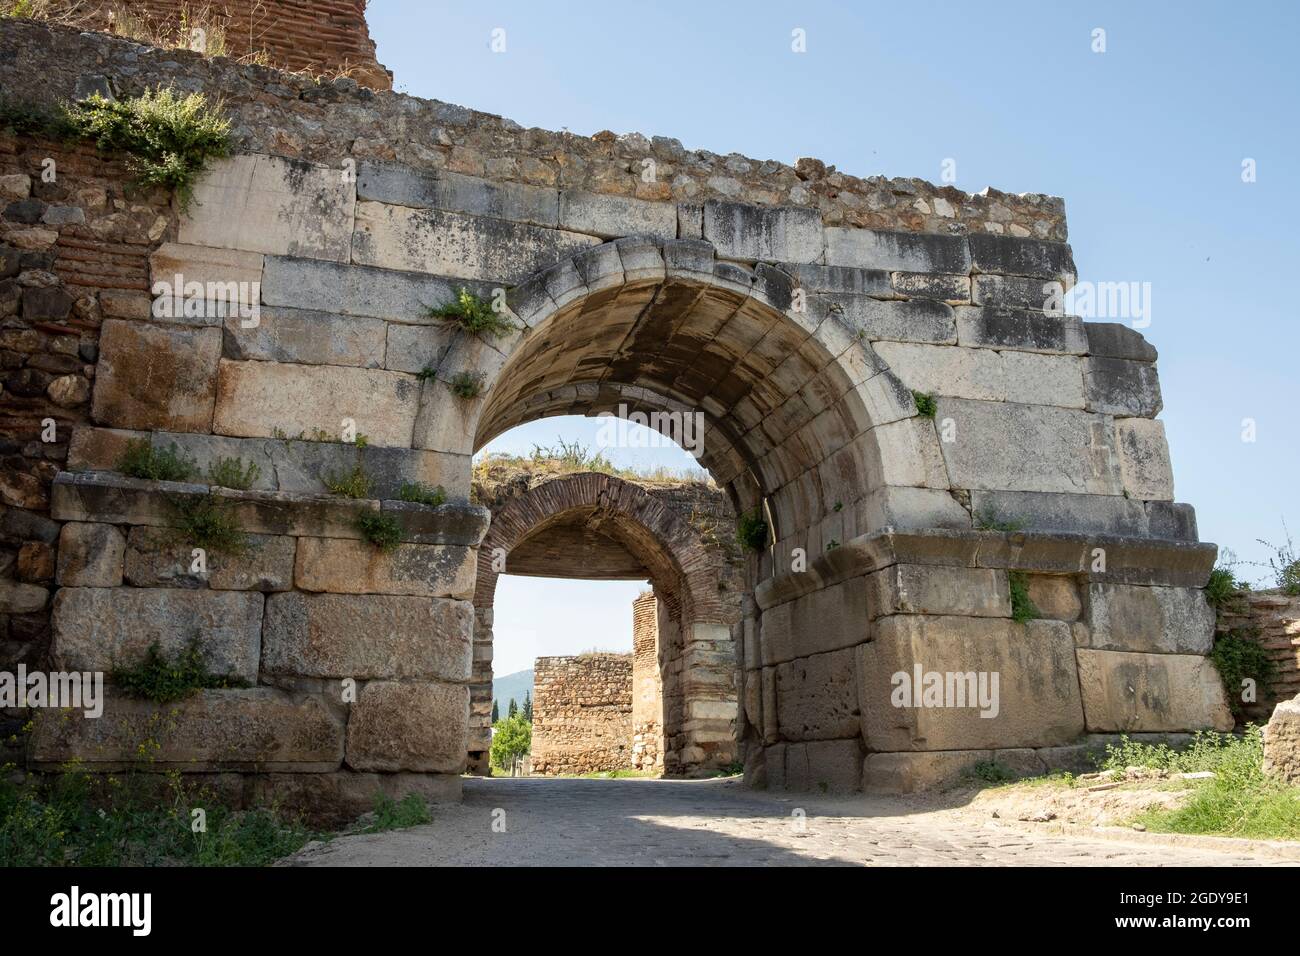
{"x":1144,"y":141}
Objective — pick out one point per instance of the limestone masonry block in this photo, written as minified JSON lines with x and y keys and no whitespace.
{"x":1282,"y":742}
{"x":1153,"y":620}
{"x":305,"y":337}
{"x":897,"y":251}
{"x":90,"y":555}
{"x":1123,"y":387}
{"x":771,"y":233}
{"x":417,"y":726}
{"x":912,"y":772}
{"x":1024,"y":331}
{"x":1037,"y":703}
{"x":984,"y":374}
{"x":817,"y":697}
{"x":1116,"y":340}
{"x":100,"y":629}
{"x":612,"y":217}
{"x":231,"y":280}
{"x":266,"y":400}
{"x":341,"y":566}
{"x":929,"y":589}
{"x":1125,"y":692}
{"x":159,"y":557}
{"x":152,"y":376}
{"x":260,"y":203}
{"x":1144,"y":459}
{"x":408,"y":638}
{"x":1009,"y":255}
{"x":258,"y":728}
{"x":455,"y":192}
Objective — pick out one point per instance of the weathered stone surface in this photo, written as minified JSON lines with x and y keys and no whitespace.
{"x":770,"y":233}
{"x":90,"y":555}
{"x":1044,"y":511}
{"x":1152,"y":620}
{"x":98,"y":449}
{"x":897,"y":251}
{"x":307,"y":338}
{"x":923,"y":285}
{"x":817,"y":697}
{"x":158,"y":558}
{"x":1122,"y":387}
{"x":917,"y":320}
{"x":1055,"y":596}
{"x":888,"y":508}
{"x":985,"y":374}
{"x":922,"y":589}
{"x":1016,"y":292}
{"x":367,"y":636}
{"x":1024,"y":331}
{"x":19,"y":598}
{"x":341,"y":566}
{"x":1144,"y":459}
{"x":335,"y":799}
{"x":1012,"y":256}
{"x":445,"y":423}
{"x":821,"y":766}
{"x":200,"y":286}
{"x":416,"y":726}
{"x":459,"y":523}
{"x":258,"y":729}
{"x":454,"y":244}
{"x":844,"y":280}
{"x":1037,"y":702}
{"x":612,"y":217}
{"x":1282,"y":742}
{"x":1151,"y":692}
{"x":358,"y":290}
{"x":154,"y":377}
{"x":270,"y":204}
{"x":829,"y":619}
{"x":1010,"y":447}
{"x":101,"y":629}
{"x":1116,"y":340}
{"x":266,"y":399}
{"x":322,"y":516}
{"x":912,"y":772}
{"x":455,"y":192}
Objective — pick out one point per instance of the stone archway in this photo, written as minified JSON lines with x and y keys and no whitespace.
{"x":694,"y":580}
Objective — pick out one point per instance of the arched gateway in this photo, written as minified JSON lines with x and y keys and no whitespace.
{"x":877,"y":377}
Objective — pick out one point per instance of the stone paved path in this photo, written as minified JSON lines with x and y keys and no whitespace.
{"x":718,"y":823}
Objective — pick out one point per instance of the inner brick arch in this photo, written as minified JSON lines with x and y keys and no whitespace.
{"x":688,"y":575}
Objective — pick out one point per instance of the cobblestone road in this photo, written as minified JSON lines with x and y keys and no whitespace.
{"x":718,"y":823}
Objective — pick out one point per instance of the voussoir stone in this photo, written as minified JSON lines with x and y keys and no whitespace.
{"x":103,"y":629}
{"x":366,"y":636}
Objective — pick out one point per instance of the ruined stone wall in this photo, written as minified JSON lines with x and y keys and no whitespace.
{"x":1272,"y":620}
{"x":647,"y":685}
{"x":582,"y":714}
{"x":311,"y":36}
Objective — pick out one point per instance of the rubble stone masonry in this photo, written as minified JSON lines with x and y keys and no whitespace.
{"x":582,"y":714}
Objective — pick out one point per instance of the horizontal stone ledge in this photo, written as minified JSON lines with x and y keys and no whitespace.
{"x":1128,"y":560}
{"x":252,"y":729}
{"x":110,"y":498}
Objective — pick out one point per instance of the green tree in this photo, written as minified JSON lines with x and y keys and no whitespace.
{"x":511,"y":738}
{"x":512,"y":709}
{"x":528,"y":706}
{"x":496,"y":712}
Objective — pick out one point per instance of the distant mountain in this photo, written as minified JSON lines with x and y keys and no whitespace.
{"x":514,"y":685}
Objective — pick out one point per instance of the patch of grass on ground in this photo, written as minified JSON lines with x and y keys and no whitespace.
{"x":411,"y":811}
{"x":1240,"y":800}
{"x":58,"y":822}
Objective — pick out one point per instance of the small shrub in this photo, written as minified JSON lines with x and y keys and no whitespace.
{"x":421,"y":494}
{"x":142,"y":460}
{"x":832,"y":544}
{"x":427,"y":374}
{"x":989,"y":771}
{"x":1222,"y":590}
{"x":1236,"y":658}
{"x":1284,"y":564}
{"x":925,"y":404}
{"x":233,"y":473}
{"x":390,"y":814}
{"x":164,"y":682}
{"x":169,"y":136}
{"x":987,"y":521}
{"x":751,"y":531}
{"x":355,"y":484}
{"x":1022,"y":608}
{"x":466,"y":385}
{"x":380,"y":529}
{"x":473,"y":315}
{"x":207,"y":522}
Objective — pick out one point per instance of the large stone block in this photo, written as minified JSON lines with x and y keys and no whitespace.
{"x":934,"y":589}
{"x":988,"y":375}
{"x":1116,"y":340}
{"x":613,"y":217}
{"x":102,"y":629}
{"x":910,"y":508}
{"x":1151,"y":692}
{"x":897,"y":251}
{"x":274,"y":205}
{"x":1012,"y":256}
{"x":825,"y":620}
{"x":90,"y":555}
{"x":358,"y":290}
{"x":157,"y":557}
{"x":256,"y":729}
{"x":1022,"y":331}
{"x":152,"y":376}
{"x":823,"y":766}
{"x":341,"y":566}
{"x":1047,"y":511}
{"x":1282,"y":742}
{"x":266,"y":399}
{"x":446,"y":422}
{"x":1035,"y":704}
{"x":305,"y":337}
{"x":817,"y":697}
{"x":1152,"y":620}
{"x":457,"y":245}
{"x":416,"y":726}
{"x":1005,"y":446}
{"x":915,"y":320}
{"x":230,"y":283}
{"x":367,"y":636}
{"x":769,"y":233}
{"x":455,"y":192}
{"x":457,"y":523}
{"x":913,"y":772}
{"x":1123,"y":387}
{"x":333,"y":800}
{"x":1144,"y":459}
